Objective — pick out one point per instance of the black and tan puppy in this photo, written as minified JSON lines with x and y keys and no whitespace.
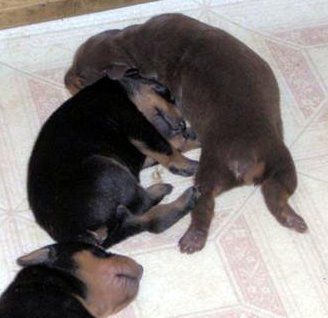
{"x":72,"y":280}
{"x":157,"y":105}
{"x":227,"y":92}
{"x":84,"y":169}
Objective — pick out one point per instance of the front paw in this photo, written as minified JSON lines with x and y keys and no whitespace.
{"x":193,"y":240}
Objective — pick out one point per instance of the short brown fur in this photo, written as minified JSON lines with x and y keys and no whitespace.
{"x":227,"y":92}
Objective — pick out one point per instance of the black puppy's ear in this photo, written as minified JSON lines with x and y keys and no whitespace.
{"x":117,"y":70}
{"x":37,"y":257}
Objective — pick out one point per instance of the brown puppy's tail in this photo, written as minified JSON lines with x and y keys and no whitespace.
{"x":244,"y":163}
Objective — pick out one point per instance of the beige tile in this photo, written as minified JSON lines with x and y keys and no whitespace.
{"x":251,"y":267}
{"x":176,"y":284}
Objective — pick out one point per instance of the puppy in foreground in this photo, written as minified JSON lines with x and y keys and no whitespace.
{"x":83,"y":175}
{"x":228,"y":94}
{"x":72,"y":280}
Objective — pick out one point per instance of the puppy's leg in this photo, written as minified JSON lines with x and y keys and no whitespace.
{"x":195,"y":237}
{"x":144,"y":199}
{"x":184,"y":143}
{"x":160,"y":217}
{"x":181,"y":142}
{"x":277,"y":189}
{"x":212,"y":179}
{"x":156,"y":147}
{"x":158,"y":191}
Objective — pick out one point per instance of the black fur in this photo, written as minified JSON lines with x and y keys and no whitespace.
{"x":83,"y":165}
{"x":46,"y":290}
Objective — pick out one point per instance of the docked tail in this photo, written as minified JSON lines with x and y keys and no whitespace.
{"x":245,"y":164}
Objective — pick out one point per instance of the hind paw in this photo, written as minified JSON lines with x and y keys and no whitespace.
{"x":292,"y":220}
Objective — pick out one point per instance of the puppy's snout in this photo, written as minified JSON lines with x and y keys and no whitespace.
{"x":128,"y":267}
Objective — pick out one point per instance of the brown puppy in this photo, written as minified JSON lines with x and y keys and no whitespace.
{"x":226,"y":91}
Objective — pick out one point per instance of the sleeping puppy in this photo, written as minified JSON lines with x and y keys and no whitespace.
{"x":228,"y":94}
{"x":151,"y":98}
{"x":157,"y":105}
{"x":83,"y":175}
{"x":72,"y":280}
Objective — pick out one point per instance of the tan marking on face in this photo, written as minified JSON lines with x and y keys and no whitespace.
{"x":107,"y":292}
{"x":148,"y":102}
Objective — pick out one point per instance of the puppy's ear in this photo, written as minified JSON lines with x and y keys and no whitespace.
{"x":117,"y":70}
{"x":37,"y":257}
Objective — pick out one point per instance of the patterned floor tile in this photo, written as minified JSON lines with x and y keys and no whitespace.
{"x":251,"y":267}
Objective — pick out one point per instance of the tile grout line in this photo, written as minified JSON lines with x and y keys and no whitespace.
{"x":34,"y":76}
{"x":312,"y":178}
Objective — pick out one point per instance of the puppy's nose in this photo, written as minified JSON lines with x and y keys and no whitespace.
{"x":182,"y":125}
{"x":140,"y":271}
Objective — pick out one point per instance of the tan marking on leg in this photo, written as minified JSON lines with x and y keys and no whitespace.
{"x":182,"y":144}
{"x":176,"y":160}
{"x":161,"y":217}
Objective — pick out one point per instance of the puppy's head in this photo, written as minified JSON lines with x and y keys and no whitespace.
{"x":111,"y":281}
{"x":100,"y":55}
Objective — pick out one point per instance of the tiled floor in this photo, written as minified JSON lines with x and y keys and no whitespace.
{"x":251,"y":267}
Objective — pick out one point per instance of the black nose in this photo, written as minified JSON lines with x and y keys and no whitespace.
{"x":141,"y":270}
{"x":189,"y":134}
{"x":182,"y":125}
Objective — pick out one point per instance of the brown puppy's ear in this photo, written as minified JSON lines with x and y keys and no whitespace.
{"x":117,"y":70}
{"x":36,"y":257}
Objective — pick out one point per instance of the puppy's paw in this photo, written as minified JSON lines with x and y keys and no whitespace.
{"x":164,"y":188}
{"x":193,"y":240}
{"x":187,"y":169}
{"x":289,"y":218}
{"x":158,"y":191}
